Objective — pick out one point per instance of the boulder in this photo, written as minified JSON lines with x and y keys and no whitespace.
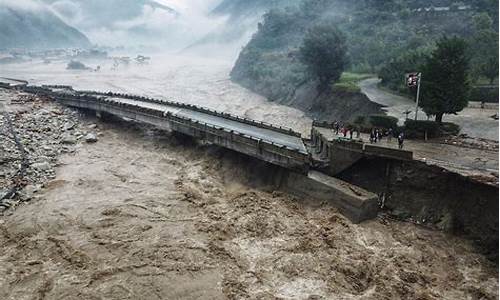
{"x":91,"y":138}
{"x":68,"y":139}
{"x":68,"y":126}
{"x":42,"y":166}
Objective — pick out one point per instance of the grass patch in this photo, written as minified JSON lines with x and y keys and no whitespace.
{"x":354,"y":77}
{"x":348,"y":82}
{"x":350,"y":87}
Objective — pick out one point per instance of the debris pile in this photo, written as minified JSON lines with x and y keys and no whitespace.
{"x":43,"y":130}
{"x":468,"y":142}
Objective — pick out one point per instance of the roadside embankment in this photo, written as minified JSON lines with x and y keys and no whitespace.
{"x":433,"y":196}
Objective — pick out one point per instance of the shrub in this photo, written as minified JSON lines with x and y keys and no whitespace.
{"x":359,"y":120}
{"x":367,"y":123}
{"x":383,"y":121}
{"x":449,"y":129}
{"x":417,"y":129}
{"x":484,"y":93}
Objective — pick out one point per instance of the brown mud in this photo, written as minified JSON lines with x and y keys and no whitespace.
{"x":144,"y":215}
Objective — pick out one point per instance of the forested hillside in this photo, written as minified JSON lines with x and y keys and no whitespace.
{"x":378,"y":35}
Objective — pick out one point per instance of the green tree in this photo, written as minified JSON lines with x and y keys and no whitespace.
{"x":324,"y":52}
{"x":484,"y":48}
{"x":445,"y":84}
{"x":393,"y":72}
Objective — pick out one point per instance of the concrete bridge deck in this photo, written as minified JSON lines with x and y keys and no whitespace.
{"x":279,"y":138}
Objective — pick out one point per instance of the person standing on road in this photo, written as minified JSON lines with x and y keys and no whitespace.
{"x":336,"y":125}
{"x":389,"y":134}
{"x":401,"y":139}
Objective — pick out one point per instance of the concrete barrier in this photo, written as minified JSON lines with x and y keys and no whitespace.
{"x":344,"y":154}
{"x":355,"y":203}
{"x":388,"y":152}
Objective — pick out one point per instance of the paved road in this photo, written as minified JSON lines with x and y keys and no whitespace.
{"x":279,"y":138}
{"x":462,"y":160}
{"x":474,"y":121}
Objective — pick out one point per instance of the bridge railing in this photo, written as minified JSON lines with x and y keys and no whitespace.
{"x":197,"y":108}
{"x":48,"y":90}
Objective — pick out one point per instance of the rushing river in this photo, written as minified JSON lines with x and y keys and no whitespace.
{"x":188,"y":79}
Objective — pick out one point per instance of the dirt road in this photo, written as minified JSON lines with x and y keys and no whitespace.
{"x":474,"y":121}
{"x":144,"y":215}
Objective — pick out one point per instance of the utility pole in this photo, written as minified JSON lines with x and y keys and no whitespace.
{"x":419,"y":78}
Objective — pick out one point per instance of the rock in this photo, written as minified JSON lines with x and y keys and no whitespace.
{"x":446,"y":222}
{"x":92,"y":126}
{"x":68,"y":139}
{"x":91,"y":138}
{"x":68,"y":126}
{"x":400,"y":214}
{"x":31,"y":189}
{"x":42,"y":166}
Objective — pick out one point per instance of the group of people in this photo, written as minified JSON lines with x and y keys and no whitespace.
{"x":338,"y":127}
{"x":376,"y":134}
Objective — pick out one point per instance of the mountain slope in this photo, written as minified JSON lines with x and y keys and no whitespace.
{"x":377,"y":32}
{"x":36,"y":28}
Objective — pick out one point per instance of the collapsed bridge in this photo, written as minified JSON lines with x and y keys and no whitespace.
{"x":274,"y":144}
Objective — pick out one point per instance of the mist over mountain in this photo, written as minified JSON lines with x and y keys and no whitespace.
{"x":238,"y":9}
{"x":115,"y":22}
{"x":26,"y":24}
{"x":241,"y":20}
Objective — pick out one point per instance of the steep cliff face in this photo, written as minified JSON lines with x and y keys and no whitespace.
{"x":38,"y":28}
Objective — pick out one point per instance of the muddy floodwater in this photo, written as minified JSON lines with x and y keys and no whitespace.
{"x":142,"y":214}
{"x":188,"y":79}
